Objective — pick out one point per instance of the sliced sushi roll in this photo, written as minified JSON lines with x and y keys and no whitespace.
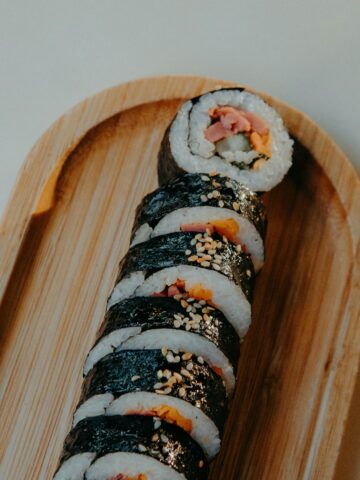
{"x":199,"y":202}
{"x":229,"y":131}
{"x":133,"y":316}
{"x":176,"y":387}
{"x":109,"y":448}
{"x":210,"y":268}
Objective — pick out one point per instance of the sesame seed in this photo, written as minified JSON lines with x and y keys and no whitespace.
{"x":142,"y":448}
{"x":187,"y":252}
{"x":228,"y":185}
{"x":211,"y":252}
{"x":160,"y":374}
{"x":210,"y":195}
{"x":205,"y":264}
{"x":167,"y":373}
{"x":216,"y":266}
{"x":200,"y":360}
{"x":205,"y":178}
{"x":178,"y":377}
{"x":160,"y":392}
{"x":193,"y":241}
{"x":157,"y":424}
{"x":177,"y":324}
{"x":189,"y":300}
{"x":201,"y":463}
{"x":236,"y":206}
{"x":189,"y":366}
{"x":175,"y":350}
{"x":185,"y":373}
{"x":158,"y":385}
{"x":165,"y":449}
{"x":187,"y":356}
{"x":177,"y":359}
{"x":164,"y":351}
{"x":216,"y":184}
{"x":202,"y":302}
{"x":193,"y":258}
{"x":155,"y":437}
{"x":187,"y":327}
{"x":213,"y":173}
{"x":206,"y":317}
{"x":184,"y":303}
{"x":135,"y":377}
{"x":164,"y":438}
{"x":170,"y":357}
{"x":182,"y":392}
{"x":248,"y":273}
{"x":198,"y":236}
{"x":189,"y":308}
{"x":203,"y":198}
{"x":221,"y":203}
{"x":167,"y":390}
{"x":172,"y":380}
{"x":238,"y":248}
{"x":200,"y":249}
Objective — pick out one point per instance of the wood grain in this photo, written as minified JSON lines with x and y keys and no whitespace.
{"x":68,"y":224}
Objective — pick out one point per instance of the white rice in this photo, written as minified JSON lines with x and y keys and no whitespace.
{"x":247,"y":235}
{"x":194,"y":153}
{"x":131,"y":464}
{"x":75,"y":467}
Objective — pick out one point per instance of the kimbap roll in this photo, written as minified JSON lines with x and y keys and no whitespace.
{"x":178,"y":388}
{"x":209,"y":267}
{"x":229,"y":131}
{"x":128,"y":447}
{"x":196,"y":202}
{"x":134,"y":315}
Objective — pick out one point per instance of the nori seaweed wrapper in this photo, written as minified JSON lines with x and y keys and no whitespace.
{"x":157,"y":312}
{"x":189,"y":190}
{"x":170,"y":250}
{"x":168,"y":169}
{"x":137,"y":434}
{"x":137,"y":371}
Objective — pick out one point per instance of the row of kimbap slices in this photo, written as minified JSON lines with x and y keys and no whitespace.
{"x":162,"y":370}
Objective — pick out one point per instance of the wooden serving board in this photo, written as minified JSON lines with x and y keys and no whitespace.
{"x":68,"y":224}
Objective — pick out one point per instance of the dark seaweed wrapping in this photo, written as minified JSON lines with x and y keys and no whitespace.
{"x":157,"y":312}
{"x":136,"y":371}
{"x":187,"y":191}
{"x":169,"y":251}
{"x":133,"y":434}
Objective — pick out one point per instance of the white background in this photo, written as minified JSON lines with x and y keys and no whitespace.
{"x":54,"y":53}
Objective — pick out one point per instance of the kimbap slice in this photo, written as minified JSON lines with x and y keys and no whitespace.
{"x":178,"y":388}
{"x":210,"y":268}
{"x":229,"y":131}
{"x":199,"y":202}
{"x":133,"y":316}
{"x":156,"y":449}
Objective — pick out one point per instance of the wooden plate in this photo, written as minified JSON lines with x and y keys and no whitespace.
{"x":68,"y":224}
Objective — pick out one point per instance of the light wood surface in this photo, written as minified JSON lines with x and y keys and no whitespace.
{"x":65,"y":229}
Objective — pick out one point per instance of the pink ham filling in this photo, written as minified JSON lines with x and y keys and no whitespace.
{"x":232,"y":121}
